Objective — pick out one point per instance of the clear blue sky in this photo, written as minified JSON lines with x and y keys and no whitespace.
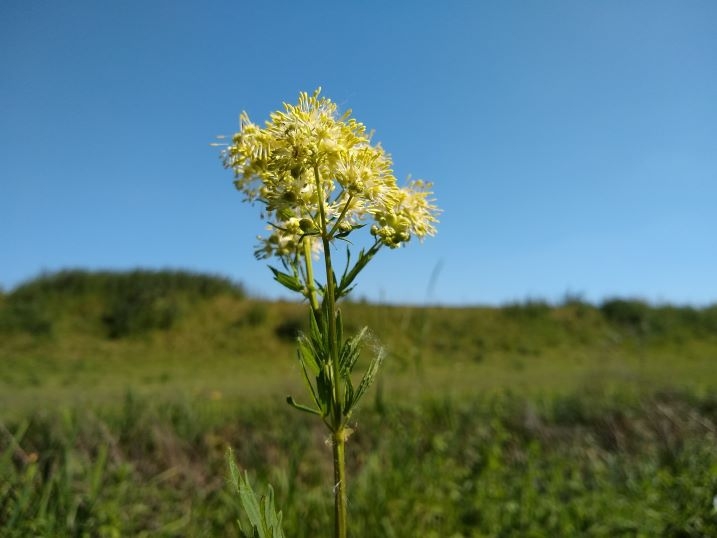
{"x":572,"y":144}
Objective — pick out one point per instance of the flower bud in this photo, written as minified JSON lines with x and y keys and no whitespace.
{"x":307,"y":225}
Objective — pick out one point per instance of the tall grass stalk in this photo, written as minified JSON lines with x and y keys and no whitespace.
{"x":320,"y":179}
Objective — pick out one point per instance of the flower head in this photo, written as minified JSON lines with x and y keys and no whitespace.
{"x":317,"y":172}
{"x":412,"y":214}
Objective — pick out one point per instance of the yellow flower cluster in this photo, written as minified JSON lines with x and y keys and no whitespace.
{"x":319,"y":176}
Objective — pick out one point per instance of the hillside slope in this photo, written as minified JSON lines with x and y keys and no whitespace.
{"x":76,"y":336}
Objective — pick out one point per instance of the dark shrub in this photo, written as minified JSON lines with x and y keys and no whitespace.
{"x":630,"y":314}
{"x":530,"y":309}
{"x":139,"y":311}
{"x":289,"y":329}
{"x":25,"y":316}
{"x":257,"y":315}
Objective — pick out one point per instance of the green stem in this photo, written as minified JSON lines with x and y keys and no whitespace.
{"x":341,"y":216}
{"x":339,"y":444}
{"x":310,"y":283}
{"x":329,"y":297}
{"x":337,"y":418}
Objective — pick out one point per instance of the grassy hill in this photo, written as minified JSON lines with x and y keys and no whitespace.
{"x":120,"y":392}
{"x":80,"y":336}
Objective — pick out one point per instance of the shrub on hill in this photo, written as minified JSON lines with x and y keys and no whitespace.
{"x":632,"y":314}
{"x":74,"y":282}
{"x":132,"y":302}
{"x":24,"y":316}
{"x":663,"y":321}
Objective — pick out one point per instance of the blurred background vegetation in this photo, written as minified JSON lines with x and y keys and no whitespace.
{"x":120,"y":391}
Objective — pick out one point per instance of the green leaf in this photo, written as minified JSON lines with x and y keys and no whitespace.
{"x":348,"y":395}
{"x":309,"y":362}
{"x":314,"y":395}
{"x":271,"y":517}
{"x":233,"y":469}
{"x":369,"y":376}
{"x":307,"y":355}
{"x":290,"y":400}
{"x":264,"y":520}
{"x":319,"y":333}
{"x":291,"y":282}
{"x":350,"y":352}
{"x":324,"y":388}
{"x":350,"y":274}
{"x":251,"y":506}
{"x":316,"y":326}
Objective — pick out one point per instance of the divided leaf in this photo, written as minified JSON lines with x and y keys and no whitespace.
{"x":369,"y":376}
{"x":264,"y":520}
{"x":350,"y":352}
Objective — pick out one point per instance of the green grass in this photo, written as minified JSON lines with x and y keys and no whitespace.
{"x":119,"y":394}
{"x":238,"y":347}
{"x":484,"y":466}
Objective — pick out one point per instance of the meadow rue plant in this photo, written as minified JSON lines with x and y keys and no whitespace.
{"x":320,"y":179}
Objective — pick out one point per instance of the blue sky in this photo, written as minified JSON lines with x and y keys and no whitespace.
{"x":572,"y":145}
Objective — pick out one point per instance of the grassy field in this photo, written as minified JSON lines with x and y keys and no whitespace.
{"x":119,"y":394}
